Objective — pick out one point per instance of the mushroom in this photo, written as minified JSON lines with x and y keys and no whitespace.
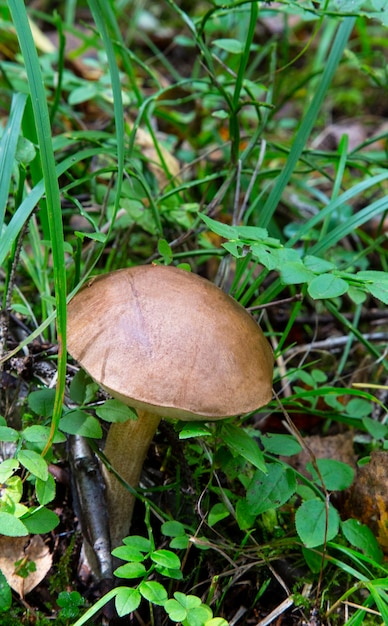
{"x":170,"y":344}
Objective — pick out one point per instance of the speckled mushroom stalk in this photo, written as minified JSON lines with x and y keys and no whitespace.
{"x":128,"y":462}
{"x":170,"y":344}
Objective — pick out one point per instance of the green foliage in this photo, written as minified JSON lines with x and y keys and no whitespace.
{"x":142,"y":561}
{"x":322,"y":277}
{"x":70,"y":603}
{"x":5,"y":594}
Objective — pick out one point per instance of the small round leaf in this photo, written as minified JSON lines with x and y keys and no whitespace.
{"x":311,"y":524}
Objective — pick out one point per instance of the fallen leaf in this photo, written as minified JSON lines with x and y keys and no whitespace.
{"x":32,"y":556}
{"x":368,"y":498}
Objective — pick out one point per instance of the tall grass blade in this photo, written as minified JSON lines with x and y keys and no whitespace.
{"x":303,"y":133}
{"x":105,"y":21}
{"x":8,"y":146}
{"x":54,"y":212}
{"x":29,"y":203}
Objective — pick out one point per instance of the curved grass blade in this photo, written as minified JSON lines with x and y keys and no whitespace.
{"x":54,"y":211}
{"x":8,"y":145}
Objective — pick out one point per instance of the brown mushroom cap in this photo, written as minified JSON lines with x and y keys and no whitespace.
{"x":164,"y":340}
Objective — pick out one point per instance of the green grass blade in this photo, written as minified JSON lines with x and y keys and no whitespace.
{"x":357,"y":220}
{"x":29,"y":203}
{"x":8,"y":146}
{"x":303,"y":133}
{"x":107,"y":26}
{"x":334,"y":205}
{"x":54,"y":211}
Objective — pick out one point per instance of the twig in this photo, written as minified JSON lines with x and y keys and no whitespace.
{"x":267,"y":305}
{"x":276,"y":612}
{"x":238,"y":615}
{"x":88,"y":493}
{"x":252,"y":181}
{"x":334,"y":342}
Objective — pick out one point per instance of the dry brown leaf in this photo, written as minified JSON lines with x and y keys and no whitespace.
{"x":368,"y":499}
{"x":27,"y":550}
{"x":338,"y":447}
{"x":145,"y":142}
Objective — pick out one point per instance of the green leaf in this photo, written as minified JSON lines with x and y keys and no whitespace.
{"x":244,"y":517}
{"x":286,"y":445}
{"x":229,"y":45}
{"x":78,"y":386}
{"x":173,"y":528}
{"x":42,"y":402}
{"x":79,"y":422}
{"x":180,"y":543}
{"x":166,"y":558}
{"x":358,"y":407}
{"x":116,"y":411}
{"x":221,"y":114}
{"x":131,"y":570}
{"x":234,"y":248}
{"x":217,"y":513}
{"x":241,"y":443}
{"x":34,"y":463}
{"x":194,"y":429}
{"x":356,"y":295}
{"x":25,"y":152}
{"x":223,"y":230}
{"x":165,"y":251}
{"x":137,"y":541}
{"x":373,"y":276}
{"x":40,"y":520}
{"x":40,"y":435}
{"x":83,"y":94}
{"x":360,"y":536}
{"x":376,"y":283}
{"x":7,"y":468}
{"x":45,"y":490}
{"x":127,"y":600}
{"x":12,"y":490}
{"x":267,"y":257}
{"x":129,"y":553}
{"x":167,"y":572}
{"x":294,"y":273}
{"x":175,"y":610}
{"x":198,"y":616}
{"x":310,"y":521}
{"x":188,"y":601}
{"x":374,"y":428}
{"x":317,"y":265}
{"x":70,"y":601}
{"x":11,"y":526}
{"x":153,"y":592}
{"x":380,"y":292}
{"x":5,"y":594}
{"x":327,"y":286}
{"x":254,"y":234}
{"x":336,"y":475}
{"x":8,"y":434}
{"x":270,"y":490}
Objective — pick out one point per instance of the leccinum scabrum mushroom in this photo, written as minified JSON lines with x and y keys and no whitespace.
{"x":170,"y":344}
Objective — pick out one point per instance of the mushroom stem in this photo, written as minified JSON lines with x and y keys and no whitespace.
{"x":126,"y":449}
